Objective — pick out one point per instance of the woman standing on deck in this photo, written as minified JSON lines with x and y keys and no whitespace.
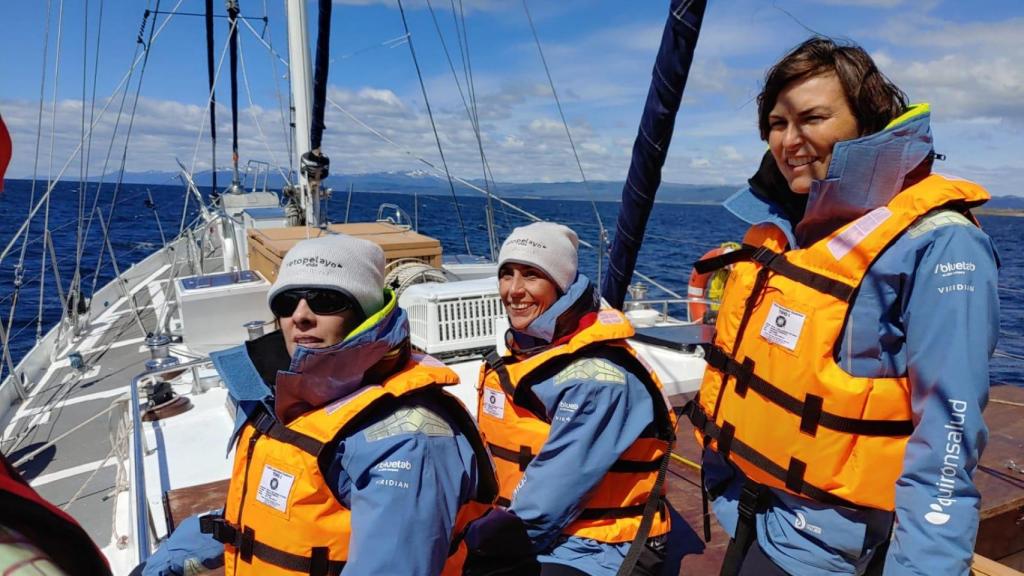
{"x":577,"y":427}
{"x":841,"y":410}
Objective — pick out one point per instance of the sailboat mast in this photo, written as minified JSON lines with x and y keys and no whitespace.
{"x":299,"y":73}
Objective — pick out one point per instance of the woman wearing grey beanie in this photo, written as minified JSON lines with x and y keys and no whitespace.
{"x":577,"y":427}
{"x":347,"y":447}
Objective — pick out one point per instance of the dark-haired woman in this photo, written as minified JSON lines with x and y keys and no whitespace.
{"x":841,"y":410}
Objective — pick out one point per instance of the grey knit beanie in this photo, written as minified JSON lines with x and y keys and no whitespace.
{"x":547,"y":246}
{"x":337,"y":262}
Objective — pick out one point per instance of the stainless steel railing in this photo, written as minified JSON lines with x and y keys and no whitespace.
{"x":139,"y":468}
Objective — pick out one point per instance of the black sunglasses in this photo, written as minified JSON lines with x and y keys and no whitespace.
{"x":320,"y":301}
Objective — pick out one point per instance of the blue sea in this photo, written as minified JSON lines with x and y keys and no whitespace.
{"x":677,"y":235}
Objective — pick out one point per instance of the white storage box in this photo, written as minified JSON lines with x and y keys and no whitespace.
{"x":215,"y":307}
{"x":260,"y":218}
{"x":449,"y":318}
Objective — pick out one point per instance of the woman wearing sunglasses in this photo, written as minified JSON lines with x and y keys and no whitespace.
{"x":577,"y":427}
{"x":349,"y":454}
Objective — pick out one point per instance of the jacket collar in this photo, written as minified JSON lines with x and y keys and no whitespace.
{"x":319,"y":376}
{"x":864,"y":173}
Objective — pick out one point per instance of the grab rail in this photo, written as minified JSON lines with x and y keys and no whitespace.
{"x":139,"y":472}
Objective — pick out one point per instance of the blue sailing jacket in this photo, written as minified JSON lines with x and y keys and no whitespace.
{"x":910,"y":317}
{"x":593,"y":421}
{"x":413,"y":515}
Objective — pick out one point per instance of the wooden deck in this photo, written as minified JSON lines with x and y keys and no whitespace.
{"x":1000,"y":534}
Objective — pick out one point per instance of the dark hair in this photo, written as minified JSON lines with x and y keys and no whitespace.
{"x":873,"y":98}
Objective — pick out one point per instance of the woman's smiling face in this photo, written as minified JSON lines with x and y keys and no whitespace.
{"x":526,"y":293}
{"x":809,"y":117}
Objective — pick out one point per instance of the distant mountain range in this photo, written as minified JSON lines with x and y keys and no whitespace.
{"x":422,"y":182}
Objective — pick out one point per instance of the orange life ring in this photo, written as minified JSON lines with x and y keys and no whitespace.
{"x":698,"y":286}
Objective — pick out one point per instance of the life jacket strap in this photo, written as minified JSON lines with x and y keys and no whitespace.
{"x":270,"y":426}
{"x":706,"y":265}
{"x":791,"y":476}
{"x":754,"y":498}
{"x":317,"y":563}
{"x":525,"y":455}
{"x":780,"y":265}
{"x":617,"y":513}
{"x":496,"y":363}
{"x":810,"y":409}
{"x":522,"y":457}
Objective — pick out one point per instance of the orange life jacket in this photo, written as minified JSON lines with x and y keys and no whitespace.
{"x":281,"y":516}
{"x":773,"y":399}
{"x":515,"y":428}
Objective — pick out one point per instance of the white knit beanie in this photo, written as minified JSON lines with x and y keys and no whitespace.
{"x":547,"y":246}
{"x":337,"y":262}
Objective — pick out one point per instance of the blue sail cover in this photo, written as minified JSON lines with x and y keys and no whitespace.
{"x":652,"y":140}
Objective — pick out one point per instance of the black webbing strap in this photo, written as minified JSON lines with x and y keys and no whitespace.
{"x":655,"y":503}
{"x":705,"y":265}
{"x":780,"y":265}
{"x":777,"y":263}
{"x":522,"y":457}
{"x":792,"y":476}
{"x":317,"y":563}
{"x":497,"y":363}
{"x":810,"y":409}
{"x":753,"y":499}
{"x":270,"y":426}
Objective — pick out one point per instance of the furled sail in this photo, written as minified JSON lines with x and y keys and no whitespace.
{"x":668,"y":80}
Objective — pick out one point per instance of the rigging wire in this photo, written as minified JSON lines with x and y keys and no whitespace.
{"x":467,"y":66}
{"x":474,"y":123}
{"x":255,"y":117}
{"x":586,"y":186}
{"x":49,"y":190}
{"x":281,"y":105}
{"x":83,"y":158}
{"x":88,"y":147}
{"x":18,"y":269}
{"x":202,"y":123}
{"x":433,"y":125}
{"x":53,"y":139}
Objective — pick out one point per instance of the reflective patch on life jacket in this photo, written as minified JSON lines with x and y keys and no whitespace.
{"x":593,"y":369}
{"x":935,"y":220}
{"x":842,"y":244}
{"x":409,"y":421}
{"x":608,"y":317}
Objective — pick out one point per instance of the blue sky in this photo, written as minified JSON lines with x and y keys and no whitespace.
{"x":963,"y":57}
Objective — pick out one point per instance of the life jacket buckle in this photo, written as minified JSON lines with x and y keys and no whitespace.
{"x":764,"y":256}
{"x":264,"y":422}
{"x":219,"y":528}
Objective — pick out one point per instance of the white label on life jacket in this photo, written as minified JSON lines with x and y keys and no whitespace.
{"x":783,"y":326}
{"x":275,"y":486}
{"x":494,"y":402}
{"x":842,"y":244}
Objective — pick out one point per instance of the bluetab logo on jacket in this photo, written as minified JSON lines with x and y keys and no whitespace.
{"x":950,"y":465}
{"x":394,"y":466}
{"x":948,"y":269}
